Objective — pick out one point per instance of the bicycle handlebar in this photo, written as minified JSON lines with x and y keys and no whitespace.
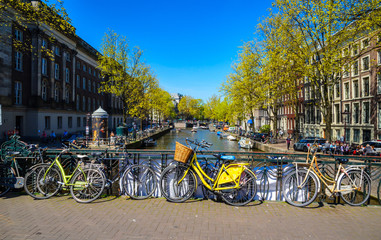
{"x":202,"y":144}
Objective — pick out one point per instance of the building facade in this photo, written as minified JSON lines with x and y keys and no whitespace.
{"x":53,"y":86}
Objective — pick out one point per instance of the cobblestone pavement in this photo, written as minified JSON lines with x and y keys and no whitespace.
{"x":21,"y":217}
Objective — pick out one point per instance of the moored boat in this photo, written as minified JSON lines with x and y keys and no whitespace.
{"x":246,"y":143}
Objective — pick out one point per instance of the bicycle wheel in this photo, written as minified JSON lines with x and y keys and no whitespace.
{"x":6,"y":179}
{"x":354,"y":187}
{"x":87,"y":185}
{"x":245,"y":193}
{"x":379,"y":192}
{"x":48,"y":182}
{"x":299,"y":193}
{"x":177,"y":183}
{"x":139,"y":182}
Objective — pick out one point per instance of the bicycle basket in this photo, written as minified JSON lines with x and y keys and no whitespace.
{"x":182,"y":153}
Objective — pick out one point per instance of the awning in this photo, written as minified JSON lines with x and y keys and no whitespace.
{"x":250,"y":121}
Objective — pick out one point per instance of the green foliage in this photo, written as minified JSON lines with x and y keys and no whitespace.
{"x":126,"y":75}
{"x":191,"y":108}
{"x":265,"y":128}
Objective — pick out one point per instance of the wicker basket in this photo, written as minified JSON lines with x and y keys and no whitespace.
{"x":182,"y":153}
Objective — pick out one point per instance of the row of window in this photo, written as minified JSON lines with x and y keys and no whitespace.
{"x":347,"y":134}
{"x":89,"y":69}
{"x":69,"y":122}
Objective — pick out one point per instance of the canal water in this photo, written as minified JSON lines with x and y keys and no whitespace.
{"x":168,"y":141}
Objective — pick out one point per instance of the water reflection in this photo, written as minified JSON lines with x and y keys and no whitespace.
{"x":168,"y":141}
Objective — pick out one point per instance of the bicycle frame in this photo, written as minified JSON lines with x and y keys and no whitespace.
{"x":66,"y":178}
{"x":194,"y":164}
{"x":314,"y":168}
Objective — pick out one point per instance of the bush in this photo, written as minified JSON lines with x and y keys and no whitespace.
{"x":264,"y":129}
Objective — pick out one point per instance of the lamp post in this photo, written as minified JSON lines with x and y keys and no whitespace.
{"x":346,"y":113}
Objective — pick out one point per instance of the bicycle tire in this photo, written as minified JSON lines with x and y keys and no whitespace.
{"x":170,"y":187}
{"x":379,"y":192}
{"x":354,"y":197}
{"x":31,"y":180}
{"x":300,"y":197}
{"x":245,"y":193}
{"x":6,"y":176}
{"x":87,"y":185}
{"x":49,"y":182}
{"x":139,"y":182}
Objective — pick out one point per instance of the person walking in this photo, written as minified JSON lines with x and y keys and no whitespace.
{"x":288,"y":140}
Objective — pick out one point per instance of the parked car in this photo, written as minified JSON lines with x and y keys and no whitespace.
{"x":304,"y":143}
{"x":260,"y":136}
{"x":376,"y":145}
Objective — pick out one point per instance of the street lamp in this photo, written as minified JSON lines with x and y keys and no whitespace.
{"x":346,"y":113}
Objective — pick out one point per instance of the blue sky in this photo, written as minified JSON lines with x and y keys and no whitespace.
{"x":190,"y":44}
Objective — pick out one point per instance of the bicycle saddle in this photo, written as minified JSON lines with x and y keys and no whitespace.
{"x":342,"y":160}
{"x":224,"y":157}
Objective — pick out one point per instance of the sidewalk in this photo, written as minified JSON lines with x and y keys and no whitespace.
{"x":21,"y":217}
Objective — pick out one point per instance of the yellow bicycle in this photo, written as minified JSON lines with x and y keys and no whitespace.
{"x":302,"y":185}
{"x":234,"y":182}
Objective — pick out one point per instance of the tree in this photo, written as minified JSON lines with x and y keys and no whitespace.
{"x":35,"y":16}
{"x":325,"y":28}
{"x":126,"y":75}
{"x":243,"y":87}
{"x":191,"y":108}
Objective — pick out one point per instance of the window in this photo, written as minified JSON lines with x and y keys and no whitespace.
{"x":347,"y":135}
{"x":78,"y":121}
{"x":356,"y":113}
{"x":67,"y":75}
{"x":94,"y":87}
{"x":56,"y":93}
{"x":69,"y":122}
{"x":18,"y":61}
{"x":44,"y":66}
{"x":44,"y":44}
{"x":355,"y":50}
{"x":88,"y":104}
{"x":365,"y":64}
{"x":365,"y":43}
{"x":78,"y":102}
{"x":83,"y":103}
{"x":47,"y":123}
{"x":337,"y":88}
{"x":56,"y":71}
{"x":356,"y":135}
{"x":18,"y":93}
{"x":89,"y":85}
{"x":84,"y":83}
{"x":57,"y":51}
{"x":355,"y":88}
{"x":93,"y":104}
{"x":379,"y":56}
{"x":365,"y":82}
{"x":94,"y":73}
{"x":366,"y":113}
{"x":59,"y":122}
{"x":68,"y":57}
{"x":44,"y":90}
{"x":90,"y":70}
{"x":346,"y":115}
{"x":78,"y":65}
{"x":18,"y":35}
{"x":84,"y":122}
{"x":346,"y":90}
{"x":379,"y":83}
{"x":84,"y":67}
{"x":78,"y":81}
{"x":356,"y":68}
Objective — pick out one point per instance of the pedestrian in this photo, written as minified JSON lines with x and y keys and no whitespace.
{"x":368,"y":150}
{"x":52,"y":136}
{"x":288,"y":140}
